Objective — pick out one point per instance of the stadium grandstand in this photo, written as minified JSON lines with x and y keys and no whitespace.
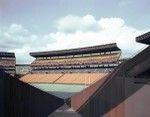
{"x":70,"y":71}
{"x":7,"y":62}
{"x":80,"y":58}
{"x":83,"y":82}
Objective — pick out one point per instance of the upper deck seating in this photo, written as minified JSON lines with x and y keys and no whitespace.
{"x":99,"y":59}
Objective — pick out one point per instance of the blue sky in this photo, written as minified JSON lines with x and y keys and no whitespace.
{"x":34,"y":25}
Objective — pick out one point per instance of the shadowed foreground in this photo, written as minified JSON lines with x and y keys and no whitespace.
{"x":18,"y":99}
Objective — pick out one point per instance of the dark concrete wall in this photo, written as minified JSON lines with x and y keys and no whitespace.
{"x":136,"y":101}
{"x":22,"y":100}
{"x":105,"y":99}
{"x":1,"y":97}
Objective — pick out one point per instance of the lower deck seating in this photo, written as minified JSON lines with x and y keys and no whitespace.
{"x":41,"y":78}
{"x":80,"y":78}
{"x":66,"y":78}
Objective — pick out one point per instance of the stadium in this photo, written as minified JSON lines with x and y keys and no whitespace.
{"x":80,"y":82}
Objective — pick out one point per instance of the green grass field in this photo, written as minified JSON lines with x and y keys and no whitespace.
{"x":59,"y":87}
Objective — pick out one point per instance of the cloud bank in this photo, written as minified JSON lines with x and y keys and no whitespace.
{"x":72,"y":31}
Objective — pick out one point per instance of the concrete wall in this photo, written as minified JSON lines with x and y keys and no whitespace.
{"x":22,"y":100}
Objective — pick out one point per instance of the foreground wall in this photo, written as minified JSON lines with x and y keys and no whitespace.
{"x":120,"y":95}
{"x":135,"y":103}
{"x":18,"y":99}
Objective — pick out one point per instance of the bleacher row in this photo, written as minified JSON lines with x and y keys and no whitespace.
{"x":64,"y":78}
{"x":78,"y":61}
{"x":7,"y":63}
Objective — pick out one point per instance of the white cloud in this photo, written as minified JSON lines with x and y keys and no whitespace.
{"x":111,"y":23}
{"x":16,"y":38}
{"x":73,"y":31}
{"x":108,"y":30}
{"x":17,"y":29}
{"x":72,"y":23}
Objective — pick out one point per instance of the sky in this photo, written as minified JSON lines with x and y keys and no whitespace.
{"x":44,"y":25}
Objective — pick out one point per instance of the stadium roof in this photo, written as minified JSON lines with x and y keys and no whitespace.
{"x":86,"y":50}
{"x":7,"y":54}
{"x":145,"y":38}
